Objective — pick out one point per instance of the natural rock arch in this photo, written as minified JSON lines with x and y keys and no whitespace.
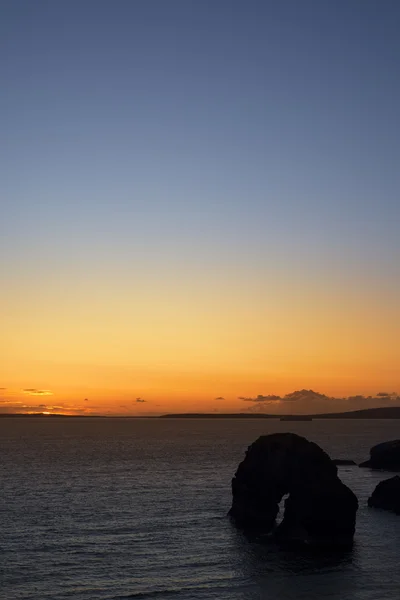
{"x":320,"y":509}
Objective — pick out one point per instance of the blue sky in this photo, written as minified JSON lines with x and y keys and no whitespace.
{"x":220,"y":118}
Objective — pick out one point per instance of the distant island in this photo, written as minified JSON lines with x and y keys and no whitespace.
{"x":297,"y":418}
{"x":384,"y":412}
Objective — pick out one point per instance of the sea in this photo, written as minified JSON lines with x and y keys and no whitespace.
{"x":113,"y":509}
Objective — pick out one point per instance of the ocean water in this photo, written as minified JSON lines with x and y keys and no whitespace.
{"x":119,"y":508}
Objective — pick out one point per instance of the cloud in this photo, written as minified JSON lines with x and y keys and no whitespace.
{"x":140,"y":400}
{"x":297,"y":396}
{"x":219,"y":398}
{"x":10,"y":402}
{"x":311,"y":402}
{"x":36,"y":392}
{"x":307,"y":395}
{"x":360,"y":401}
{"x":13,"y":406}
{"x":260,"y":398}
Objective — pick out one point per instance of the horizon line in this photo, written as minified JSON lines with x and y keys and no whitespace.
{"x":246,"y":415}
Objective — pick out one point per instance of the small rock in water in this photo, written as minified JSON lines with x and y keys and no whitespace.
{"x":384,"y":456}
{"x":386,"y":495}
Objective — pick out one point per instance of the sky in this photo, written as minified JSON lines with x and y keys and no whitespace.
{"x":199,"y":205}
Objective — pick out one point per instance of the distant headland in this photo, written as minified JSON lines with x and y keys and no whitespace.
{"x":386,"y":412}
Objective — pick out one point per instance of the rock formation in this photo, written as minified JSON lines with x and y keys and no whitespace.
{"x":384,"y":456}
{"x":320,"y":509}
{"x":386,"y":495}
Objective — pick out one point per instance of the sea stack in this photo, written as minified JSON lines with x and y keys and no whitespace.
{"x":319,"y":511}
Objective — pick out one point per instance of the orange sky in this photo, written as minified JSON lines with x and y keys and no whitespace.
{"x":97,"y":347}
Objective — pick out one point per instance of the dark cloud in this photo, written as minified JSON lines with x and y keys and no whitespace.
{"x":86,"y":400}
{"x":297,"y":396}
{"x":36,"y":392}
{"x":140,"y":400}
{"x":260,"y":407}
{"x":219,"y":398}
{"x":260,"y":398}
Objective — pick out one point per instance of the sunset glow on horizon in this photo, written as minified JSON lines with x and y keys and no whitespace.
{"x":201,"y":208}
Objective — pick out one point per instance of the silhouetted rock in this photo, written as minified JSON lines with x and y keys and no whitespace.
{"x":343,"y":461}
{"x":320,"y":509}
{"x":386,"y":495}
{"x":384,"y":456}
